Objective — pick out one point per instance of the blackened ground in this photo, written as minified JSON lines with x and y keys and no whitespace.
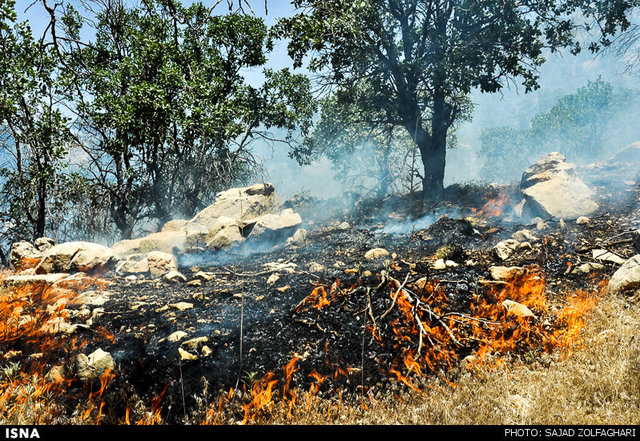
{"x":254,"y":327}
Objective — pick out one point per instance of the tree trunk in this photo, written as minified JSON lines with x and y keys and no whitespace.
{"x":433,"y":148}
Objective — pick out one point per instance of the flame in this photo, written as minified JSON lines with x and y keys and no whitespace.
{"x":493,"y":208}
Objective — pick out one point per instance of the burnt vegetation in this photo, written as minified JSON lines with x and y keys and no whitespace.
{"x":301,"y":310}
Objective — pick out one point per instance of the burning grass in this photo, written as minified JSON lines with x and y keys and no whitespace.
{"x":417,"y":335}
{"x":428,"y":341}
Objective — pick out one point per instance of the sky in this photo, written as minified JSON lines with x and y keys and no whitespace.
{"x":560,"y":75}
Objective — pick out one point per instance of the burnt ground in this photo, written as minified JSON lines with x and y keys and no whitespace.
{"x":254,"y":325}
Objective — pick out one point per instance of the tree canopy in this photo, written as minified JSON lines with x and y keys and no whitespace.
{"x":120,"y":115}
{"x":413,"y":63}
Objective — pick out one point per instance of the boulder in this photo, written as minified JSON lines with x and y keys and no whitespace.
{"x":161,"y":263}
{"x":24,"y":255}
{"x":272,"y":226}
{"x":238,"y":203}
{"x":44,"y":243}
{"x":552,"y":188}
{"x":626,"y":280}
{"x":299,"y":238}
{"x":506,"y":248}
{"x":164,"y":241}
{"x":224,"y":233}
{"x":70,"y":257}
{"x":174,"y":277}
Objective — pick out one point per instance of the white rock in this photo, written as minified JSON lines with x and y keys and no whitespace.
{"x":183,"y":305}
{"x":606,"y":256}
{"x":524,"y":235}
{"x":582,"y":220}
{"x":161,"y":263}
{"x":76,"y":256}
{"x":552,"y":188}
{"x":506,"y":248}
{"x":439,"y":264}
{"x":627,"y":278}
{"x":174,"y":277}
{"x":376,"y":253}
{"x":94,"y":365}
{"x":24,"y":255}
{"x":177,"y":336}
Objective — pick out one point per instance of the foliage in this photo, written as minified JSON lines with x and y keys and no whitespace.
{"x":413,"y":63}
{"x":35,"y":134}
{"x":586,"y":126}
{"x":167,"y":116}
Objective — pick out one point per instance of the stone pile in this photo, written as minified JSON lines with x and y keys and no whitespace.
{"x":238,"y":215}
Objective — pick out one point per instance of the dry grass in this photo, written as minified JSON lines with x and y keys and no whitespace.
{"x":598,"y":383}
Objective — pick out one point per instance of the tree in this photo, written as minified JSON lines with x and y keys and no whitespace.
{"x":35,"y":133}
{"x":167,"y":117}
{"x":588,"y":125}
{"x":418,"y":60}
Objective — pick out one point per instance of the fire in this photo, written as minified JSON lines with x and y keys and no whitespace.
{"x":493,"y":208}
{"x":34,"y":325}
{"x":262,"y":393}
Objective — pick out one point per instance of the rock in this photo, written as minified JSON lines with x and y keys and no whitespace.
{"x":164,"y":241}
{"x":506,"y":274}
{"x":299,"y":238}
{"x":93,"y":366}
{"x":202,"y":275}
{"x":587,"y":268}
{"x":541,"y":226}
{"x":44,"y":243}
{"x":174,"y":277}
{"x":224,"y":233}
{"x":627,"y":278}
{"x":287,"y":267}
{"x":315,"y":267}
{"x":582,"y":220}
{"x":517,"y":309}
{"x":523,"y":236}
{"x":71,"y":257}
{"x":24,"y":255}
{"x":177,"y":336}
{"x":552,"y":188}
{"x":184,"y":355}
{"x":344,"y":226}
{"x":273,"y":278}
{"x":439,"y":264}
{"x":161,"y":263}
{"x":606,"y":256}
{"x":235,"y":214}
{"x":133,"y":264}
{"x":238,"y":203}
{"x":272,"y":227}
{"x":174,"y":225}
{"x":506,"y":248}
{"x":562,"y":224}
{"x":182,"y":306}
{"x":195,"y":343}
{"x":194,"y":234}
{"x":376,"y":253}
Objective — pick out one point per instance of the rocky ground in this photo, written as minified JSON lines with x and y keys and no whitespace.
{"x":375,"y":292}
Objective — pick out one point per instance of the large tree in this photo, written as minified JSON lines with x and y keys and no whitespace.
{"x":418,"y":60}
